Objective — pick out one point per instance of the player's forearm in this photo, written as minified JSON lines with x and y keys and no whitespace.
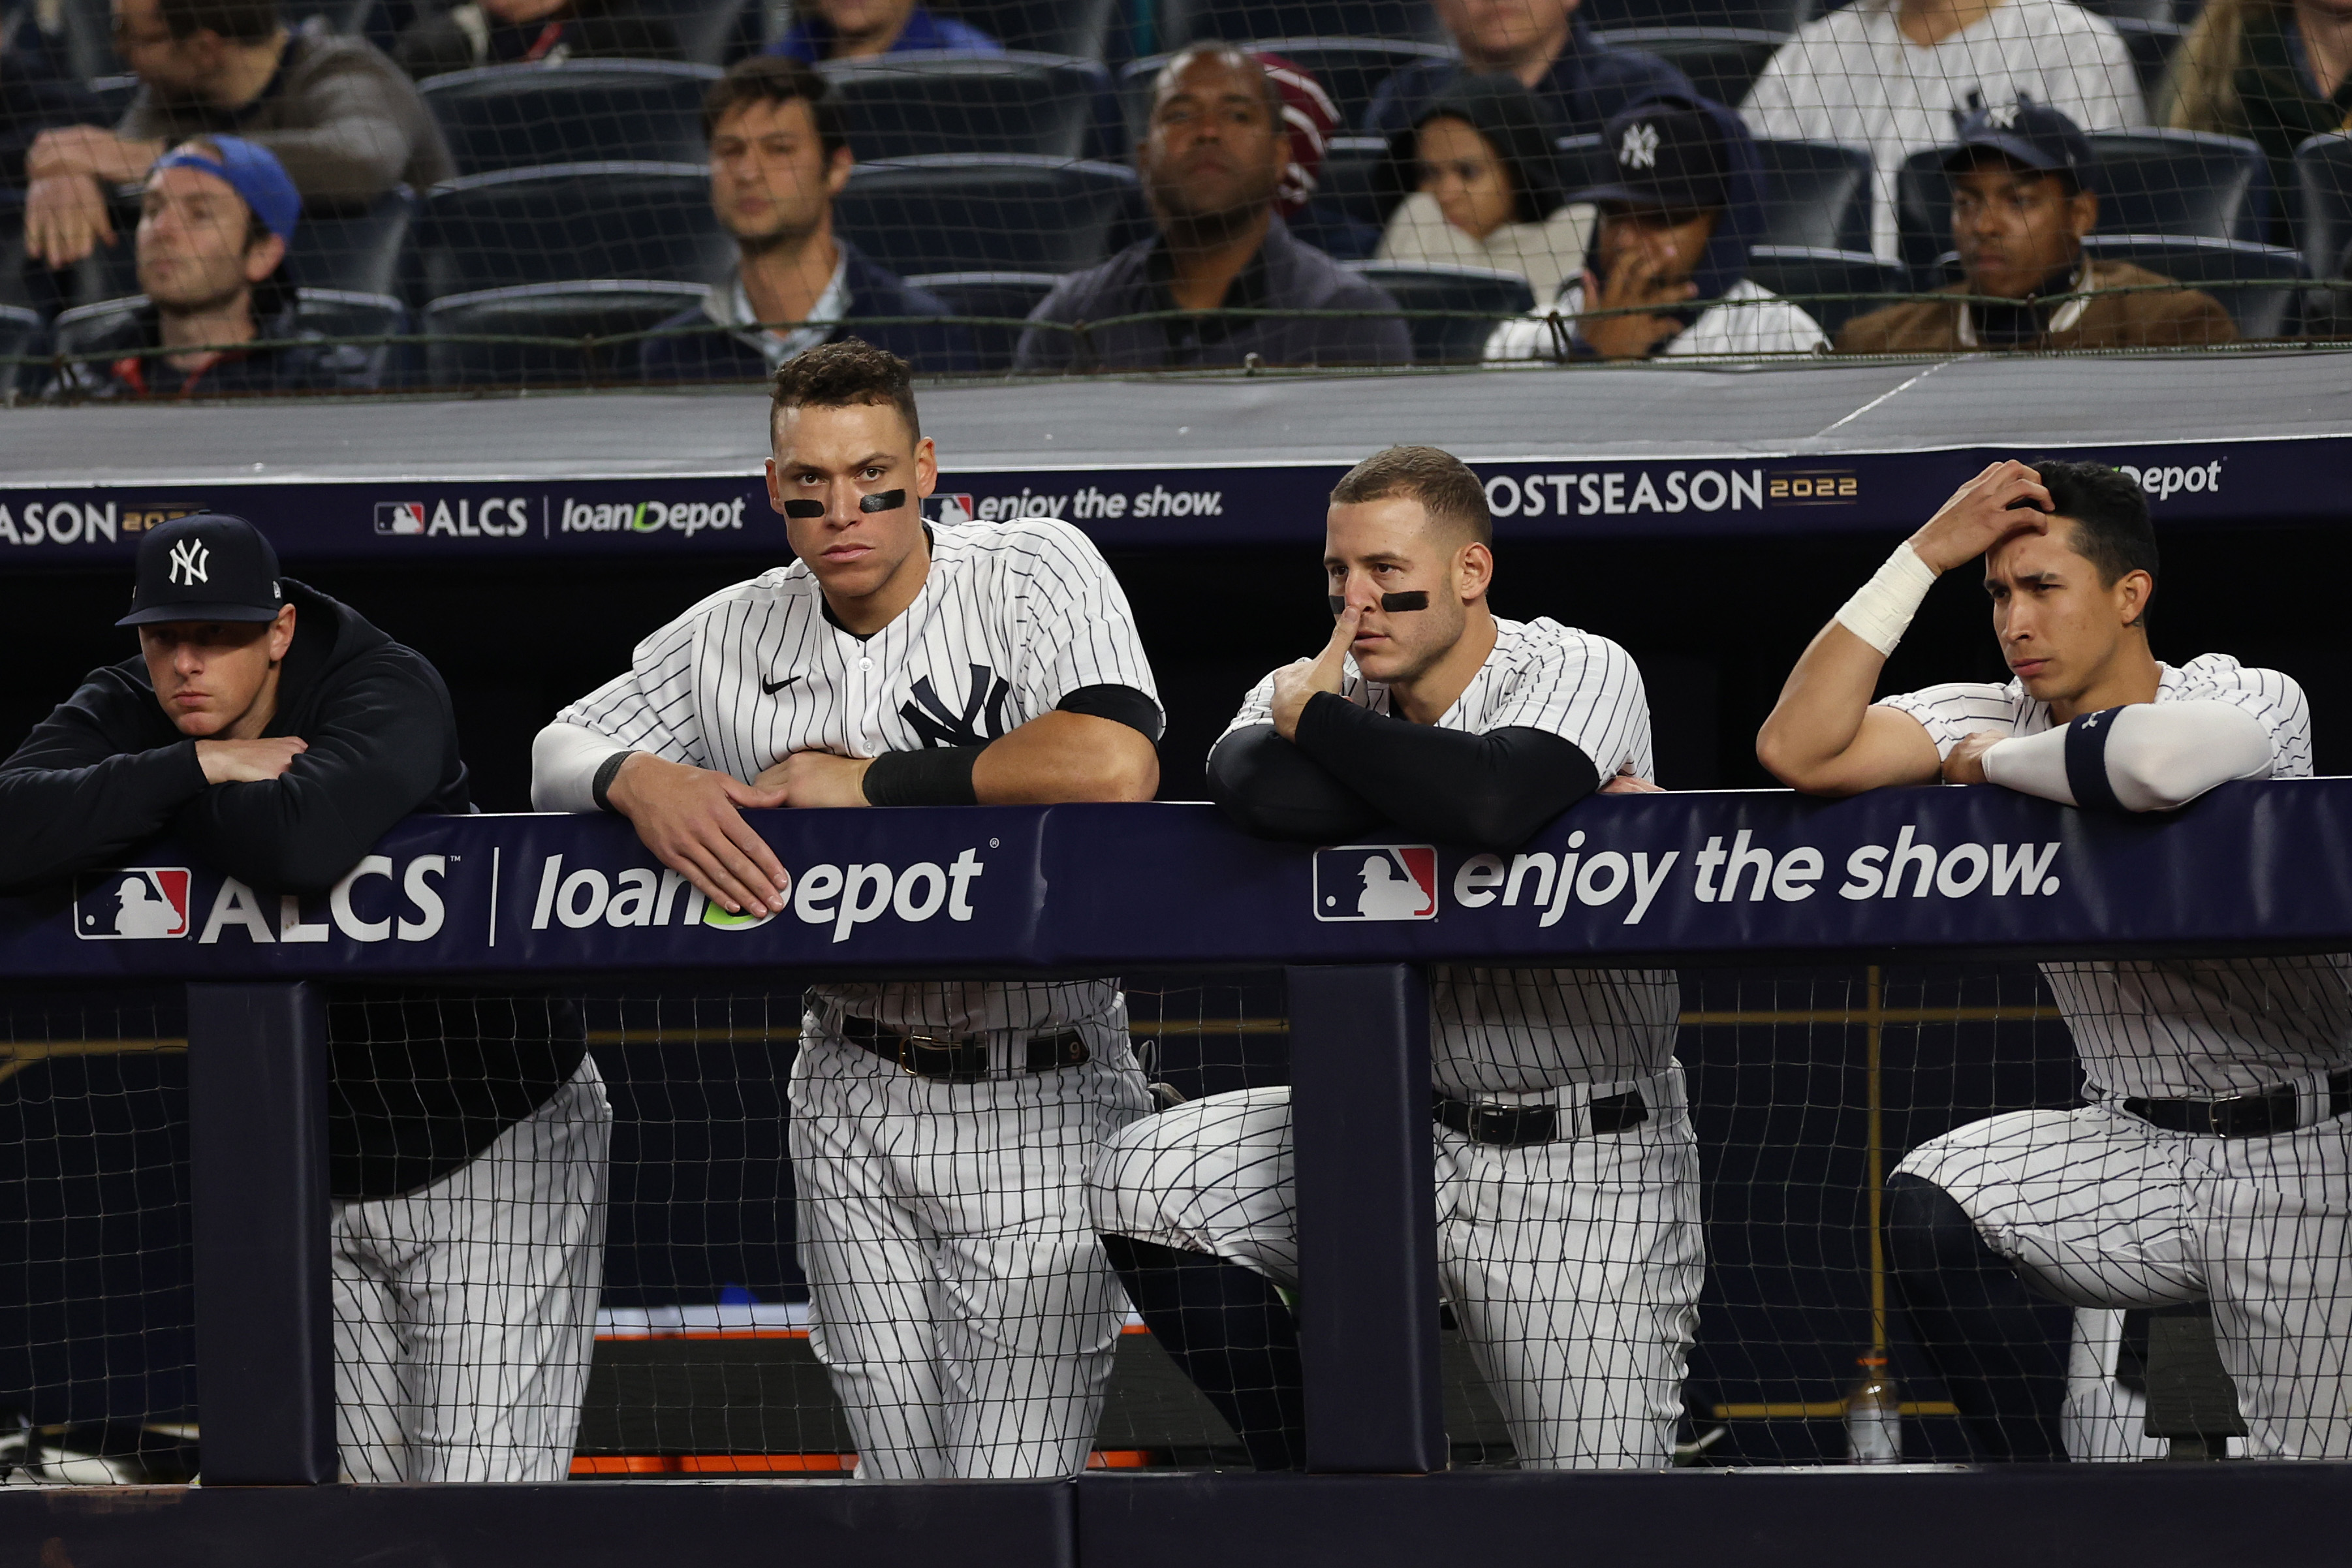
{"x":1062,"y":756}
{"x":2145,"y":757}
{"x":1492,"y":790}
{"x":56,"y":821}
{"x":564,"y":760}
{"x":1274,"y":790}
{"x":1807,"y":740}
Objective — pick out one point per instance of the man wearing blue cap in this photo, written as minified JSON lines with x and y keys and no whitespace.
{"x":277,"y":734}
{"x":213,"y":225}
{"x":2023,"y":196}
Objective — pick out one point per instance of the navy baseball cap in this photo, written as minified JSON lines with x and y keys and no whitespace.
{"x":1668,"y":155}
{"x":253,"y":172}
{"x":2028,"y":134}
{"x":207,"y":567}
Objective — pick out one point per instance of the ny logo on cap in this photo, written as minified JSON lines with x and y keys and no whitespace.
{"x":188,"y":559}
{"x":1639,"y":150}
{"x":2004,"y":116}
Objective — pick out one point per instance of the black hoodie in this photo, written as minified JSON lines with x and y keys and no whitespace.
{"x":420,"y":1082}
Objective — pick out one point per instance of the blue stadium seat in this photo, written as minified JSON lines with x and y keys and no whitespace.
{"x":1183,"y":21}
{"x":21,"y":282}
{"x":1792,"y":271}
{"x":2188,"y":182}
{"x":1781,"y":16}
{"x":1816,"y":194}
{"x":617,"y":220}
{"x":596,"y":309}
{"x":510,"y":117}
{"x":1080,"y":28}
{"x":2265,"y":310}
{"x":914,"y":105}
{"x":22,"y":332}
{"x":2323,"y":228}
{"x":958,"y":213}
{"x":361,"y":251}
{"x":2151,"y":44}
{"x":90,"y":38}
{"x":1351,"y":70}
{"x":1723,"y":63}
{"x":334,"y":312}
{"x":1009,"y":295}
{"x":1434,"y":286}
{"x":1345,"y":218}
{"x":712,"y":32}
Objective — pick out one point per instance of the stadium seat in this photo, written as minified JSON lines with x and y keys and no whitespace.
{"x":2188,"y":183}
{"x":914,"y":105}
{"x":2262,"y":312}
{"x":21,"y":333}
{"x":1782,"y":16}
{"x":1433,"y":287}
{"x":1184,"y":21}
{"x":509,"y":117}
{"x":115,"y":94}
{"x":2151,"y":44}
{"x":1079,"y":28}
{"x":90,"y":38}
{"x":598,"y":308}
{"x":1792,"y":271}
{"x":958,"y":213}
{"x":361,"y":251}
{"x":1010,"y":295}
{"x":615,"y":220}
{"x":1816,"y":194}
{"x":334,"y":312}
{"x":1723,"y":63}
{"x":711,"y":32}
{"x":2323,"y":228}
{"x":1351,"y":70}
{"x":20,"y":284}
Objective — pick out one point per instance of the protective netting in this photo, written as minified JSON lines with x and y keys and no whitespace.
{"x":831,"y":1238}
{"x":585,"y":196}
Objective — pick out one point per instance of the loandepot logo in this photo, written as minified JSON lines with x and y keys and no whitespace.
{"x":843,"y":897}
{"x":688,"y":518}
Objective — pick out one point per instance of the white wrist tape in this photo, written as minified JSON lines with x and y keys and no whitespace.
{"x":1881,"y":609}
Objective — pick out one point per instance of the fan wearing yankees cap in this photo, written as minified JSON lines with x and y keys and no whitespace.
{"x":1568,"y":1223}
{"x":216,"y":216}
{"x":1668,"y":271}
{"x":940,"y":1130}
{"x":275,"y":734}
{"x":2024,"y":193}
{"x":2214,"y":1159}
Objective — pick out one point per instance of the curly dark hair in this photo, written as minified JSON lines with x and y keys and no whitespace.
{"x":845,"y":375}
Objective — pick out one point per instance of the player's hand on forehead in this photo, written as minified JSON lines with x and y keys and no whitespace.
{"x":2007,"y":498}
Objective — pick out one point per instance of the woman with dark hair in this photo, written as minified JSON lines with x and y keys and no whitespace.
{"x":1474,"y":183}
{"x":2276,"y":70}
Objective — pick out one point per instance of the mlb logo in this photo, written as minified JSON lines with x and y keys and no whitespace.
{"x":131,"y":903}
{"x":400,"y":517}
{"x":1376,"y":883}
{"x":960,"y":508}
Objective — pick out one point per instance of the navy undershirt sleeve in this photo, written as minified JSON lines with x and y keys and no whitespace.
{"x":1493,"y":790}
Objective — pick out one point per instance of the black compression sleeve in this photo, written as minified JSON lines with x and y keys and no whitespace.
{"x":1274,"y":790}
{"x":1134,"y":709}
{"x":936,"y":776}
{"x":1491,"y":790}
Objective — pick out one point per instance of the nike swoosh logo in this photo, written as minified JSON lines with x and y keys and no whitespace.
{"x":771,"y":687}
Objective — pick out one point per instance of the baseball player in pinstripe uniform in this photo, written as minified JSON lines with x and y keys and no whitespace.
{"x":1566,"y":1174}
{"x":2211,"y":1162}
{"x":940,"y":1131}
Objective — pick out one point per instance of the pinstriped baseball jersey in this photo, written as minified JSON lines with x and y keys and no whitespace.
{"x":1503,"y":1031}
{"x":2180,"y":1028}
{"x":1012,"y":617}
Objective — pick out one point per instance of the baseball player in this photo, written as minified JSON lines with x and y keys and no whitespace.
{"x":279,"y":735}
{"x":2211,"y":1162}
{"x":1567,"y":1175}
{"x":940,"y":1131}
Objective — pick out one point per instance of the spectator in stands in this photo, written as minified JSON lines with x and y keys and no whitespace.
{"x":1892,"y":76}
{"x":852,"y":29}
{"x":214,"y":224}
{"x":778,"y":158}
{"x":1474,"y":184}
{"x":2276,"y":70}
{"x":528,"y":32}
{"x":1579,"y":80}
{"x":1676,"y":225}
{"x":339,"y":115}
{"x":2023,"y":197}
{"x":1212,"y":164}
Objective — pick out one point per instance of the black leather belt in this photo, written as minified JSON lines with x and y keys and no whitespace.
{"x":956,"y":1058}
{"x":1516,"y":1126}
{"x":2263,"y":1115}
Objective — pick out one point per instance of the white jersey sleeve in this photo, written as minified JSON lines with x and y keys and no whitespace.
{"x":653,"y":707}
{"x":1952,"y":712}
{"x":2273,"y":698}
{"x":1072,"y":627}
{"x":1257,"y":707}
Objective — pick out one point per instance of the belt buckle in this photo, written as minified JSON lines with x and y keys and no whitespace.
{"x":908,"y":1041}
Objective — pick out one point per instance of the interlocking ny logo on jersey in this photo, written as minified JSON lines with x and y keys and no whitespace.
{"x":1639,"y":149}
{"x":1376,"y":883}
{"x":982,"y":720}
{"x":131,"y":903}
{"x":188,"y":561}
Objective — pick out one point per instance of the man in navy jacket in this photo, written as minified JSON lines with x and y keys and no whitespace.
{"x":1579,"y":80}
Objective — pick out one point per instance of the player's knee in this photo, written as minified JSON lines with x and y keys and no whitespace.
{"x":1928,"y":1230}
